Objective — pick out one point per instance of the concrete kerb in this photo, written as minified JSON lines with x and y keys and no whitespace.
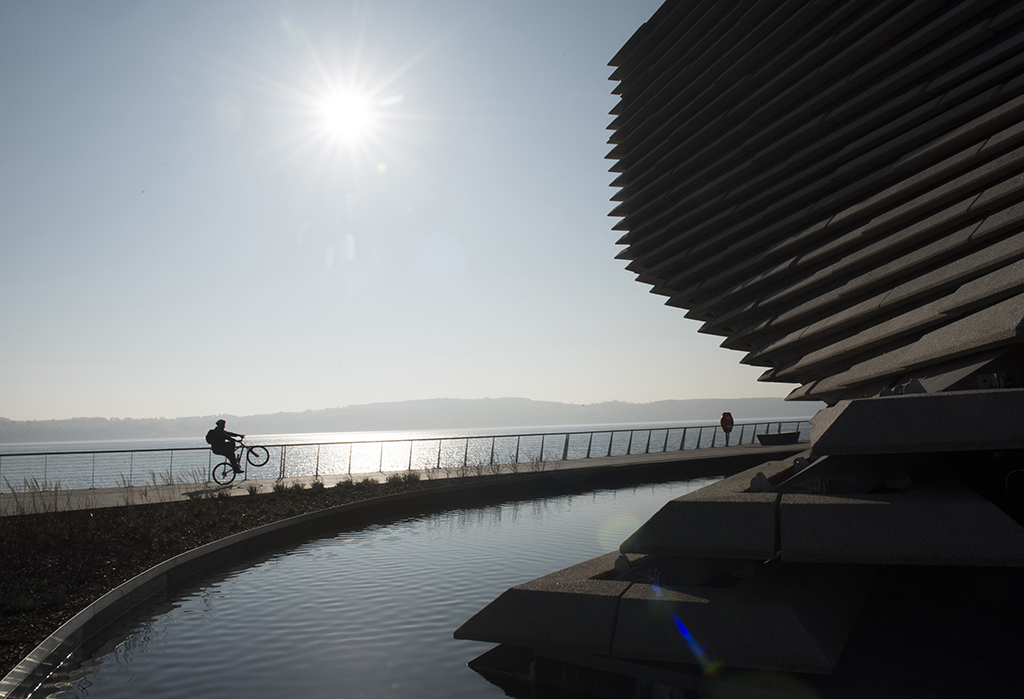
{"x":83,"y":632}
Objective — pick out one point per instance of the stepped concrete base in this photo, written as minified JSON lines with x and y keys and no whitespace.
{"x":723,"y":519}
{"x":573,"y":609}
{"x":765,"y":570}
{"x":825,"y":513}
{"x":926,"y":422}
{"x":930,"y":524}
{"x":785,"y":616}
{"x":788,"y":617}
{"x":941,"y":632}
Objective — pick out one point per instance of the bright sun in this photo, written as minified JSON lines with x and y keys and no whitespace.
{"x":342,"y":115}
{"x":346,"y":117}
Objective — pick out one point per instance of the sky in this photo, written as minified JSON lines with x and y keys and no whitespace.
{"x":256,"y":206}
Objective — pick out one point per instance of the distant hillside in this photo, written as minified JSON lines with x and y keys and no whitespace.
{"x":440,"y":413}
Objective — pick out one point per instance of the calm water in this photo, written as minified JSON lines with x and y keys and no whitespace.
{"x":367,"y":613}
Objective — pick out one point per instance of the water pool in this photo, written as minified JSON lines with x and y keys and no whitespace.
{"x":361,"y":613}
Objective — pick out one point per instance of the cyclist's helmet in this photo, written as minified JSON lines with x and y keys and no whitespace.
{"x":221,"y":423}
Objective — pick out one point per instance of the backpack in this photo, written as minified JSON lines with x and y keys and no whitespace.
{"x":211,"y":438}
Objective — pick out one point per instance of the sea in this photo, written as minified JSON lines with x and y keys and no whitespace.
{"x":134,"y":462}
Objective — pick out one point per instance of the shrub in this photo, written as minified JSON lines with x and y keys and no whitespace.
{"x":396,"y":479}
{"x":345,"y":483}
{"x":297,"y":487}
{"x":280,"y":487}
{"x":411,"y":477}
{"x":316,"y":486}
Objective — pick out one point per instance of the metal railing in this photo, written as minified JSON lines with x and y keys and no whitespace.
{"x":133,"y":467}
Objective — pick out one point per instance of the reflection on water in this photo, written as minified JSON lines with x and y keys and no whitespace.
{"x":363,"y":613}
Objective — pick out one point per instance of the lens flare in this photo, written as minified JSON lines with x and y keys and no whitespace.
{"x":616,"y":529}
{"x":711,"y":667}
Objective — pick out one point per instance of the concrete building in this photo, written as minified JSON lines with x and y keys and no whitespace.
{"x":837,"y":189}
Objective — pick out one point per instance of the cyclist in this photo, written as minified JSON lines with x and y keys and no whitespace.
{"x":225,"y":443}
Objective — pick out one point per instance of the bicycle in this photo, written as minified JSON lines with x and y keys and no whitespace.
{"x":224,"y":472}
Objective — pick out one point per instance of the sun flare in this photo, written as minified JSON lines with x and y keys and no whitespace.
{"x":346,"y":117}
{"x":341,"y":112}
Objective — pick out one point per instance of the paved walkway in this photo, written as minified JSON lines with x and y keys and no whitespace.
{"x":58,"y":499}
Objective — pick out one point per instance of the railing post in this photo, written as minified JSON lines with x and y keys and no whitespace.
{"x":611,"y":438}
{"x":492,"y":451}
{"x":411,"y":442}
{"x":682,"y":440}
{"x":541,"y":456}
{"x":518,"y":437}
{"x":45,"y":460}
{"x":93,"y":486}
{"x":647,"y":446}
{"x":465,"y":454}
{"x":590,"y":443}
{"x":350,"y":458}
{"x":714,"y":436}
{"x":284,"y":448}
{"x":439,"y":453}
{"x":170,"y":468}
{"x":700,"y":436}
{"x":380,"y":465}
{"x":565,"y":452}
{"x":316,"y":475}
{"x":629,"y":444}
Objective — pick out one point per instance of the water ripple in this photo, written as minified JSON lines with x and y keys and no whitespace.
{"x":363,"y":613}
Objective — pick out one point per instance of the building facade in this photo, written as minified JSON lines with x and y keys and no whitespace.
{"x":836,"y":188}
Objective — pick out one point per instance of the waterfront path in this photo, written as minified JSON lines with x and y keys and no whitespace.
{"x":59,"y":499}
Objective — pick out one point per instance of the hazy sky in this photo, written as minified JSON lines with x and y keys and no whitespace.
{"x":259,"y":206}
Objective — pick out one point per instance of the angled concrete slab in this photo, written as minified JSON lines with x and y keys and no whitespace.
{"x":930,"y":524}
{"x":956,"y":421}
{"x":723,"y":520}
{"x":793,"y":617}
{"x":568,"y":609}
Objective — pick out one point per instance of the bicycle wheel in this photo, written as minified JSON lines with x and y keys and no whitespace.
{"x":223,"y":473}
{"x":257,"y":456}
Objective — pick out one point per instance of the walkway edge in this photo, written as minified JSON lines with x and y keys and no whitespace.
{"x":72,"y":639}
